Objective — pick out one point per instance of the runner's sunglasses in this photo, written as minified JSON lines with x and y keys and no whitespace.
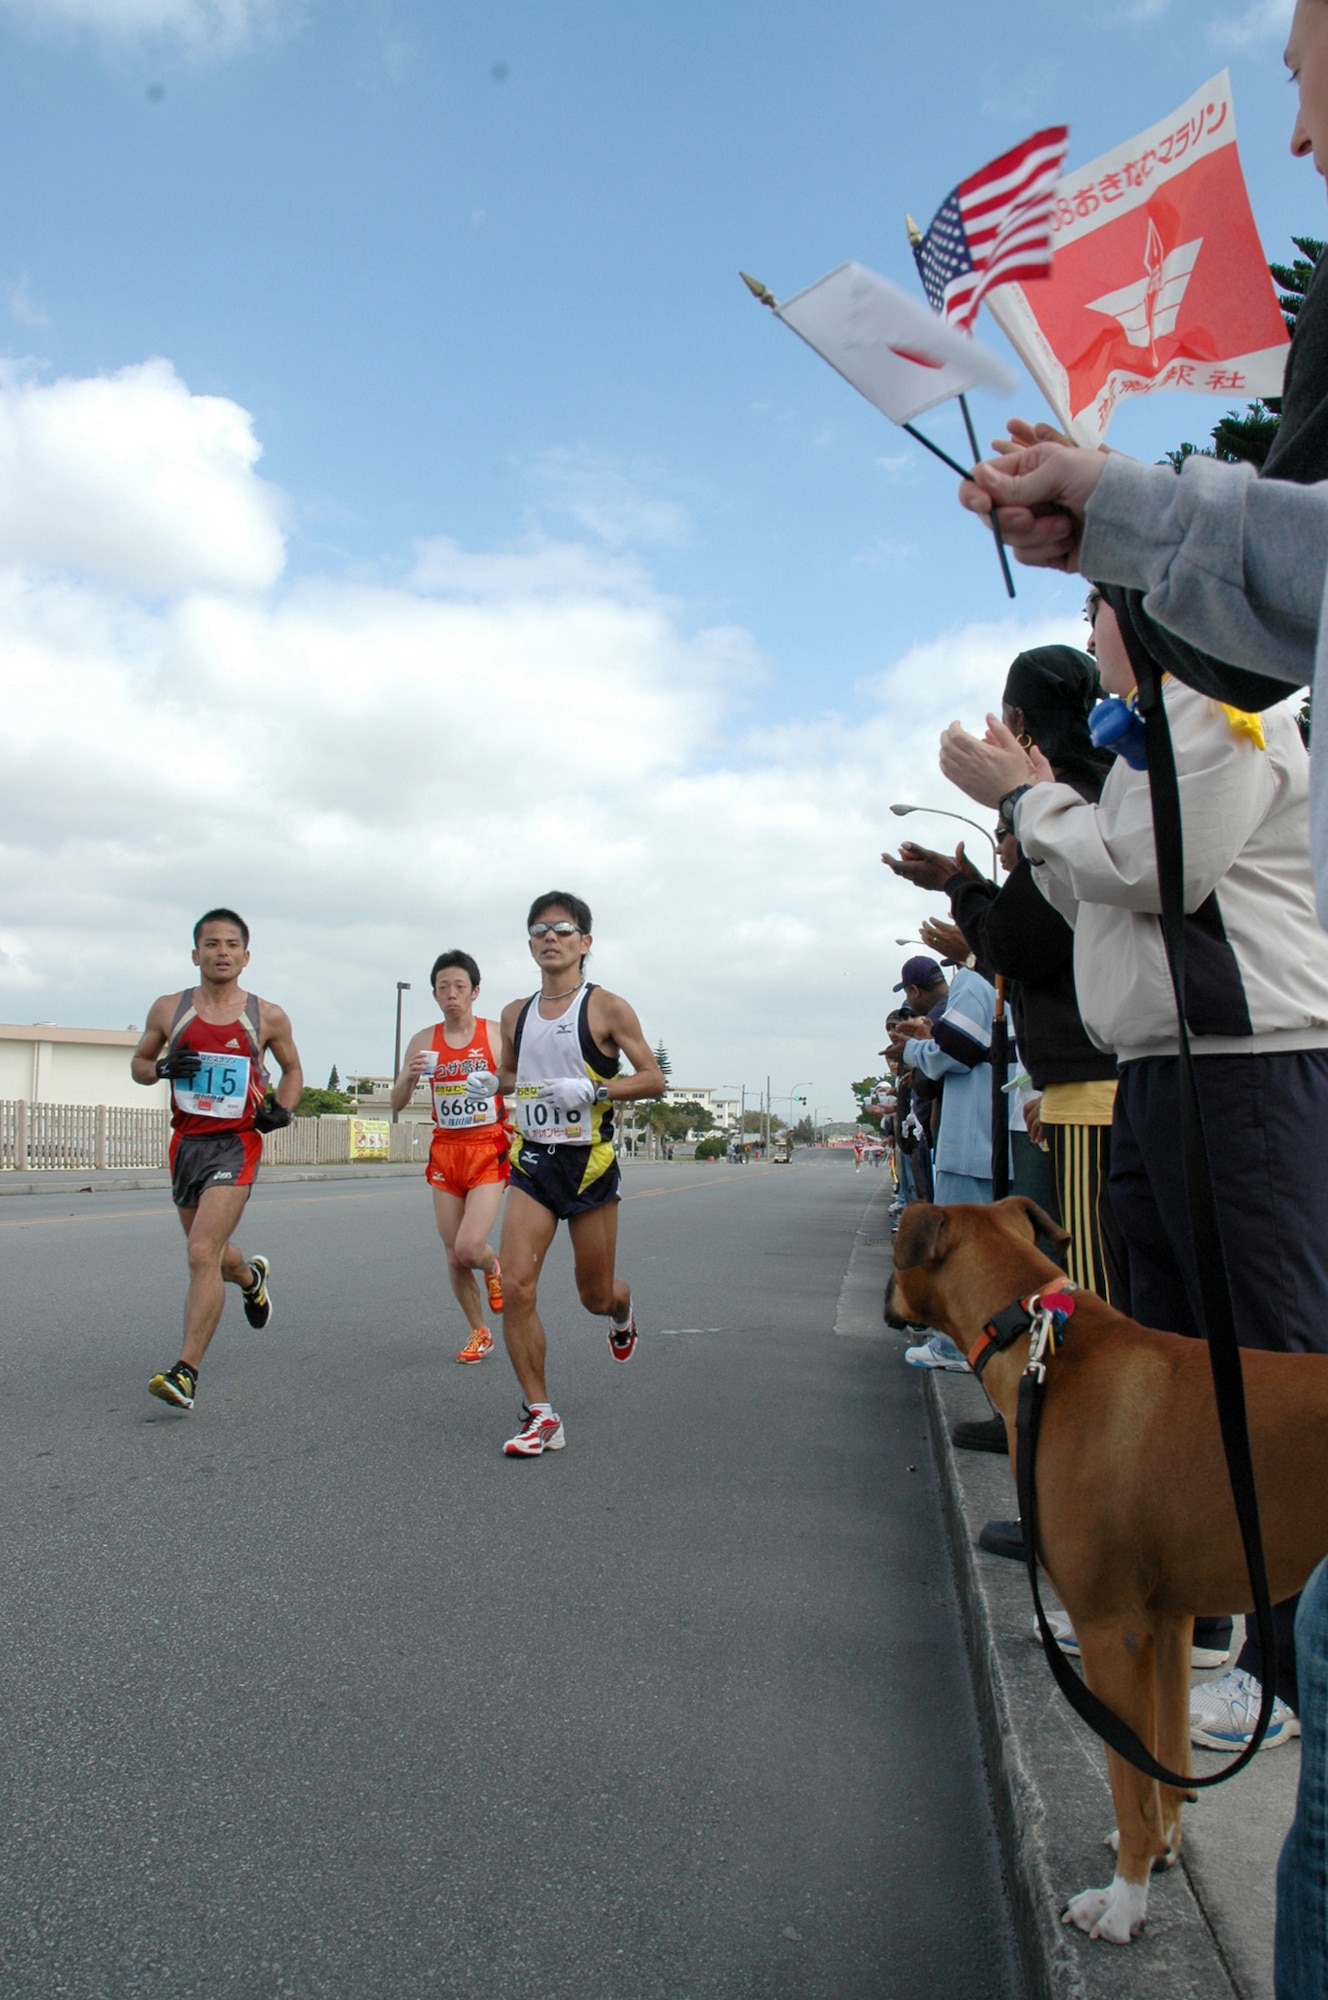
{"x":559,"y":930}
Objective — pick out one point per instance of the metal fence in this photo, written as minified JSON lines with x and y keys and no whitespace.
{"x":38,"y":1136}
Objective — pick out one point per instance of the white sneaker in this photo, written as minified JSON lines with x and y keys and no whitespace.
{"x":1223,"y":1714}
{"x":938,"y":1352}
{"x":1204,"y":1658}
{"x":1061,"y":1629}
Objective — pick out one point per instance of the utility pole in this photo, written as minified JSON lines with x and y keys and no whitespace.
{"x":403,"y":986}
{"x":767,"y":1114}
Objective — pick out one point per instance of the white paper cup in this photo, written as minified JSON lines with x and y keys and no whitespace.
{"x":430,"y":1058}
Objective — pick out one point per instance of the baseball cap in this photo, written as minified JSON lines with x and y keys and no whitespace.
{"x":918,"y":972}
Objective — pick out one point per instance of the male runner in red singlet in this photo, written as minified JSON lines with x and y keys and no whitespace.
{"x":215,"y":1037}
{"x":562,"y":1050}
{"x":468,"y":1158}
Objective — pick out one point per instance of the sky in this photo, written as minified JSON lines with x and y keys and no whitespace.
{"x":405,"y":509}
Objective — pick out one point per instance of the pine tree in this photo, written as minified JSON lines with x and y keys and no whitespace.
{"x":662,"y":1058}
{"x":334,"y":1081}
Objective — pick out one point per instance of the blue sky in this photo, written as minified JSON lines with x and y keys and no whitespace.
{"x":471,"y":272}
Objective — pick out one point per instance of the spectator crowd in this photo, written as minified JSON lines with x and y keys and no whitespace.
{"x":1215,"y":575}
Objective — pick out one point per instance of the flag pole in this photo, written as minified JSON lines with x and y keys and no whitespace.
{"x":915,"y":243}
{"x":767,"y":298}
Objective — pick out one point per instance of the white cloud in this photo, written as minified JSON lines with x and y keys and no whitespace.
{"x":203,"y":27}
{"x":1260,"y":22}
{"x":130,"y":478}
{"x":617,"y":505}
{"x":373,"y":773}
{"x":23,"y":307}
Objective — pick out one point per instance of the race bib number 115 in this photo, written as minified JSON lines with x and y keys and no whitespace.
{"x":220,"y":1089}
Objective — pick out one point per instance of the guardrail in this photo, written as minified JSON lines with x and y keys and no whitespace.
{"x":35,"y":1137}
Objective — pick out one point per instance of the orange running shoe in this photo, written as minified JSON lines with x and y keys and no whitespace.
{"x":479,"y":1344}
{"x":493,"y":1285}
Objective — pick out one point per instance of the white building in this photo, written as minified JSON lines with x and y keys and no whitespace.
{"x":43,"y":1064}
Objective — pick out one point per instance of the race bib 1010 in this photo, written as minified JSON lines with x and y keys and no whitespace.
{"x":455,"y":1111}
{"x":553,"y":1124}
{"x":220,"y":1089}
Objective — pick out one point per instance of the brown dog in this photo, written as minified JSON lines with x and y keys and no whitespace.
{"x":1136,"y":1525}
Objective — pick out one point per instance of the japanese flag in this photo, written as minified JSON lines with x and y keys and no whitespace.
{"x":1158,"y":278}
{"x":894,"y":350}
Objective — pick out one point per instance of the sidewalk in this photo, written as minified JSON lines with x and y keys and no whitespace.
{"x":1209,"y":1933}
{"x":117,"y":1180}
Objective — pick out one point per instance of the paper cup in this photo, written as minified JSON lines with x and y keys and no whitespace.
{"x":430,"y":1062}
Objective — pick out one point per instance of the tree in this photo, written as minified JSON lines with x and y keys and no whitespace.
{"x":314,"y":1103}
{"x":678,"y":1121}
{"x":754,"y":1121}
{"x":864,"y":1087}
{"x":662,"y":1058}
{"x":804,"y":1132}
{"x":334,"y":1081}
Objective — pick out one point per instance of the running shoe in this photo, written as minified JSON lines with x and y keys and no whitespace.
{"x":622,"y":1339}
{"x":258,"y":1299}
{"x":1062,"y":1631}
{"x":938,"y":1352}
{"x":178,"y":1385}
{"x":541,"y":1431}
{"x":493,"y":1285}
{"x":479,"y":1344}
{"x":1223,"y":1714}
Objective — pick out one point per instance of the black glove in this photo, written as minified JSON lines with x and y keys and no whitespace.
{"x":271,"y":1116}
{"x":181,"y":1066}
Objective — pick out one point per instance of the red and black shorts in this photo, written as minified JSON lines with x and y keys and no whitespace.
{"x":203,"y":1160}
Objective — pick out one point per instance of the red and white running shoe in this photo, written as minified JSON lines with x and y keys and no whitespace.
{"x":622,"y":1339}
{"x":541,"y":1431}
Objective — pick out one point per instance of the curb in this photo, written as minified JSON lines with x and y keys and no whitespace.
{"x":1048,"y":1772}
{"x":106,"y":1180}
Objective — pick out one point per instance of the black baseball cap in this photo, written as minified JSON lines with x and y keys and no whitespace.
{"x":922,"y":972}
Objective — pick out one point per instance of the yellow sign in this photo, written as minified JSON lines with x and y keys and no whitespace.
{"x":370,"y":1139}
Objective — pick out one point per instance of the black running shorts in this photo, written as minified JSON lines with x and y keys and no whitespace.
{"x":557,"y":1178}
{"x":203,"y":1160}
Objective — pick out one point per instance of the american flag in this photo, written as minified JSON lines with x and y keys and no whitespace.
{"x":995,"y":229}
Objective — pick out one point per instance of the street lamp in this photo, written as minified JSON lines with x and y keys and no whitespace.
{"x":940,"y":812}
{"x":788,"y":1097}
{"x":403,"y":986}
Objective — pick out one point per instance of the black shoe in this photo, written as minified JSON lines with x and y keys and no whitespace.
{"x":1003,"y":1538}
{"x":981,"y":1434}
{"x":258,"y":1300}
{"x":178,"y":1385}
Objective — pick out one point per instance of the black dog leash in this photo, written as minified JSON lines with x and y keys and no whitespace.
{"x":1214,"y":1292}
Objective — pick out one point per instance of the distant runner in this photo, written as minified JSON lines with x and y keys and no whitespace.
{"x":563,"y":1047}
{"x":214,"y":1038}
{"x":468,"y":1158}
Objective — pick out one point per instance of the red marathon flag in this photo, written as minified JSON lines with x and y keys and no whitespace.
{"x":1158,"y":278}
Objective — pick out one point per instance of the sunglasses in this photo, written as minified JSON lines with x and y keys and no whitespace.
{"x":559,"y":930}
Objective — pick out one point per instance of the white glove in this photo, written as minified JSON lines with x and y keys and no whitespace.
{"x":481,"y":1083}
{"x":572,"y":1093}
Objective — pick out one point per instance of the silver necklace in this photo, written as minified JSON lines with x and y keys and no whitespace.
{"x":566,"y":990}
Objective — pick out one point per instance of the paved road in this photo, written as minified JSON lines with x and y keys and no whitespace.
{"x":313,"y":1693}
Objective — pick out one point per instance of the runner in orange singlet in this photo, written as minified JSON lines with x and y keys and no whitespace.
{"x":468,"y":1158}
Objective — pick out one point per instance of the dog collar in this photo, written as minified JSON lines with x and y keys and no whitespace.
{"x":1004,"y":1328}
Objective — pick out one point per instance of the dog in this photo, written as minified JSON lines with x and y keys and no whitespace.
{"x":1136,"y":1524}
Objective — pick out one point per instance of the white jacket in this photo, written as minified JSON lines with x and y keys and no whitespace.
{"x":1256,"y":957}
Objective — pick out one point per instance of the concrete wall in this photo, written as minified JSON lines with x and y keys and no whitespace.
{"x":44,"y":1064}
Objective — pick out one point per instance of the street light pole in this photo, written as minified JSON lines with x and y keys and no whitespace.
{"x":940,"y":812}
{"x":403,"y":986}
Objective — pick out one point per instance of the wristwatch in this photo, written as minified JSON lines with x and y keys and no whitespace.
{"x":601,"y":1093}
{"x":1009,"y":802}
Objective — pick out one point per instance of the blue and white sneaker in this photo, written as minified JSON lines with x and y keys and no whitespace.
{"x":1223,"y":1714}
{"x":938,"y":1352}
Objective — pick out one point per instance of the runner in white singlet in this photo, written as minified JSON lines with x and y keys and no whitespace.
{"x":561,"y":1071}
